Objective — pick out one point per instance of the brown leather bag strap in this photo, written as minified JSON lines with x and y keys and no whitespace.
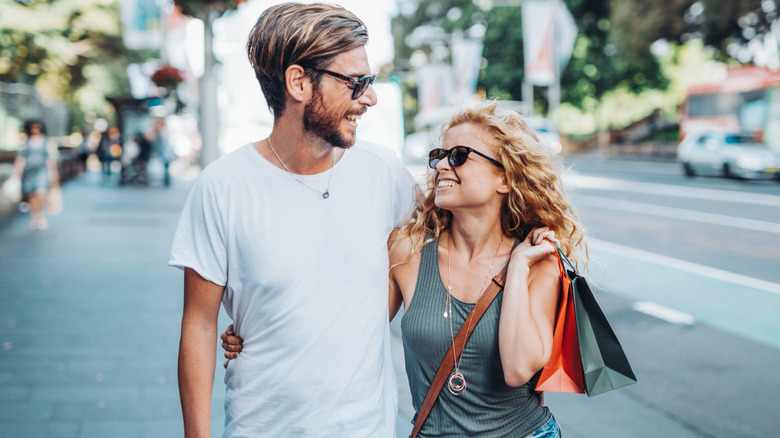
{"x":460,"y":341}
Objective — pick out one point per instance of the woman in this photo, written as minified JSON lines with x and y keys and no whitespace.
{"x":493,"y":198}
{"x":37,"y":171}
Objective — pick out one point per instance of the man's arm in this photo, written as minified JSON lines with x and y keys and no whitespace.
{"x":197,"y":352}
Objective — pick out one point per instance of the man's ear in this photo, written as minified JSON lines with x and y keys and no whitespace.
{"x":297,"y":82}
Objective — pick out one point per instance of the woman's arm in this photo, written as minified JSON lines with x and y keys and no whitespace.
{"x":404,"y":267}
{"x":197,"y":352}
{"x":395,"y":298}
{"x":528,"y":311}
{"x":54,"y":174}
{"x":18,"y":166}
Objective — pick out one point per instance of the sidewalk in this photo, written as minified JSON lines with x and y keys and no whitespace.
{"x":89,"y":318}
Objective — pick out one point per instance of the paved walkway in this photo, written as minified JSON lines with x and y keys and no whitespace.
{"x":89,"y":317}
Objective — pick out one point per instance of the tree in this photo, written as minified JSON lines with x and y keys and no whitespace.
{"x":208,"y":11}
{"x":201,"y":8}
{"x":723,"y":25}
{"x":71,"y":50}
{"x":596,"y":67}
{"x":599,"y":61}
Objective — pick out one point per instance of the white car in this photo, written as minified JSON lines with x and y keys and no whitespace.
{"x":727,"y":154}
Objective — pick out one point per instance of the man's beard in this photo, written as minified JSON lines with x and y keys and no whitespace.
{"x":324,"y":124}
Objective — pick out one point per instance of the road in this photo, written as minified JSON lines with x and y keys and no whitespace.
{"x":688,"y":272}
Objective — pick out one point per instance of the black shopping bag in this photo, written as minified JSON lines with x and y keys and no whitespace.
{"x":604,"y":363}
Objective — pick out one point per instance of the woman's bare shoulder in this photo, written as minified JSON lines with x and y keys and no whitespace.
{"x":400,"y":247}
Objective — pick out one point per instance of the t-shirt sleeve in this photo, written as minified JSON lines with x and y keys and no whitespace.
{"x":200,"y":239}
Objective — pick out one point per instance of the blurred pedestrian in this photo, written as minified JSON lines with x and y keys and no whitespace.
{"x":162,"y":147}
{"x":129,"y":172}
{"x":290,"y":234}
{"x":84,"y":150}
{"x":109,"y":149}
{"x":135,"y":155}
{"x":37,"y":170}
{"x":142,"y":159}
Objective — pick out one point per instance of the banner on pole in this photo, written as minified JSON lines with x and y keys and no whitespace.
{"x":549,"y":33}
{"x":466,"y":60}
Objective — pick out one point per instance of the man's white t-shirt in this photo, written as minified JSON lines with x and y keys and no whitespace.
{"x":306,"y":284}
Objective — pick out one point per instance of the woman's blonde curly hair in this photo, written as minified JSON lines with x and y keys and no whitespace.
{"x":532,"y":170}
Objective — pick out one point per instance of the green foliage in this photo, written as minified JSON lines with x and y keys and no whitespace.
{"x":71,"y":50}
{"x":199,"y":8}
{"x":684,"y":65}
{"x":659,"y":19}
{"x":597,"y":65}
{"x":503,"y":51}
{"x":719,"y":22}
{"x":612,"y":78}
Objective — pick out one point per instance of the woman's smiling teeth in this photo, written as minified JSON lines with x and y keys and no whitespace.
{"x":446,"y":183}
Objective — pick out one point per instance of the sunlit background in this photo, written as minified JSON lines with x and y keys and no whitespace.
{"x":665,"y":114}
{"x":588,"y":68}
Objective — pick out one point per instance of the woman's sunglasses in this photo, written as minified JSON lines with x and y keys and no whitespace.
{"x":456,"y":156}
{"x":359,"y":85}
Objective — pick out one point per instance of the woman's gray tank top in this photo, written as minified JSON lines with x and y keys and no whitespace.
{"x":489,"y":407}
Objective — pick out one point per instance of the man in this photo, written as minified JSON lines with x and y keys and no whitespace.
{"x":290,"y":233}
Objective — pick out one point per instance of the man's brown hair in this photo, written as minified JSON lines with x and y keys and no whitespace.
{"x":306,"y":35}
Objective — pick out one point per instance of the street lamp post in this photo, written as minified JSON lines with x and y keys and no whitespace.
{"x":209,"y":114}
{"x":208,"y":11}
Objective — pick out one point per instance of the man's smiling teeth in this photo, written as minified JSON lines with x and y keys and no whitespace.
{"x":447,"y":183}
{"x":353,"y":117}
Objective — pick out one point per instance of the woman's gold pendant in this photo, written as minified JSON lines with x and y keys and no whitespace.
{"x":457,"y":383}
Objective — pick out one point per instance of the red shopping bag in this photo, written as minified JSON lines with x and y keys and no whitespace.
{"x":563,"y":373}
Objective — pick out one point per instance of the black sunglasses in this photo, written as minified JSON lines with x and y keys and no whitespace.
{"x":359,"y":85}
{"x":456,"y":156}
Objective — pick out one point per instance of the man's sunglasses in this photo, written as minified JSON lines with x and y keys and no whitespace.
{"x":359,"y":85}
{"x":456,"y":156}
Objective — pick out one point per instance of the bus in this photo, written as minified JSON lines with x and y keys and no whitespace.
{"x":747,"y":99}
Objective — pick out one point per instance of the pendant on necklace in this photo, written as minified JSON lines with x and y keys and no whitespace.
{"x":449,"y":291}
{"x":457,"y":383}
{"x":326,"y":194}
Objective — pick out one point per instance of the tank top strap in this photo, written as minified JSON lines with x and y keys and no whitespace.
{"x":429,"y":254}
{"x":428,"y":277}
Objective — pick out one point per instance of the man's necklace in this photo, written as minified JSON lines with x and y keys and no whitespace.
{"x":326,"y":193}
{"x":457,"y":382}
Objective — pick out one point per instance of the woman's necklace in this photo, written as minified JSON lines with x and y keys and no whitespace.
{"x":326,"y":193}
{"x":457,"y":382}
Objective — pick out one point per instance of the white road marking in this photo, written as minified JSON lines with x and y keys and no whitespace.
{"x":599,"y":183}
{"x":679,"y":213}
{"x":694,"y":268}
{"x":664,"y":313}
